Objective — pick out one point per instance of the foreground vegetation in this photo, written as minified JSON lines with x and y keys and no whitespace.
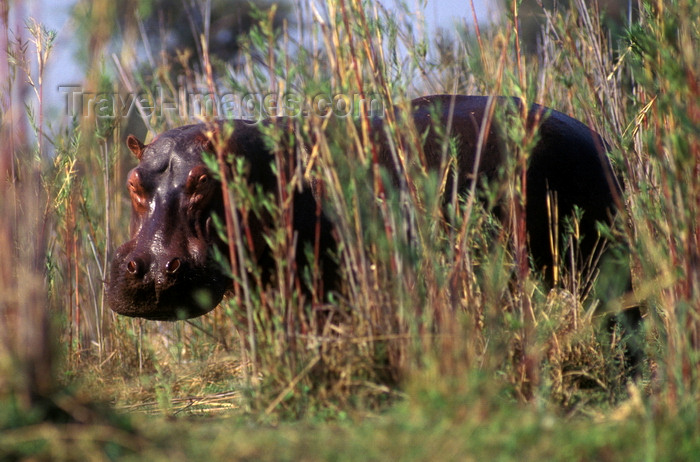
{"x":443,"y":347}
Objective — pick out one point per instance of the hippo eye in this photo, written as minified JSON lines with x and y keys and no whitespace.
{"x":201,"y":188}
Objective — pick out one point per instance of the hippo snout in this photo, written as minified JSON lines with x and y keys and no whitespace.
{"x":162,"y":287}
{"x":164,"y":272}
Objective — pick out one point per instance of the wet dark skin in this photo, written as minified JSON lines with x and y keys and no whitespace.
{"x":166,"y":271}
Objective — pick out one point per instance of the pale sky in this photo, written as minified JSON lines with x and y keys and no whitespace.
{"x":62,"y":69}
{"x":443,"y":13}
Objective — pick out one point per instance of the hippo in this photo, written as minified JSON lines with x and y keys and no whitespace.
{"x":167,"y":272}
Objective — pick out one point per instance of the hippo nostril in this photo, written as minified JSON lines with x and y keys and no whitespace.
{"x":172,"y":266}
{"x":135,"y":267}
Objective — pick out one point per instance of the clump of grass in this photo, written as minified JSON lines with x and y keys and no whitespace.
{"x":665,"y":185}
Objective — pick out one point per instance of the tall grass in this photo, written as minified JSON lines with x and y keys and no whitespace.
{"x":436,"y":300}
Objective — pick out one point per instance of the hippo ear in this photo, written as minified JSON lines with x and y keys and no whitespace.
{"x":135,"y":145}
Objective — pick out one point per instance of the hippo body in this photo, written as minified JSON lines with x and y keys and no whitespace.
{"x":569,"y":161}
{"x":166,"y":270}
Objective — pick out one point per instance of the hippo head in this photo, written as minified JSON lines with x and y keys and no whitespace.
{"x":166,"y":270}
